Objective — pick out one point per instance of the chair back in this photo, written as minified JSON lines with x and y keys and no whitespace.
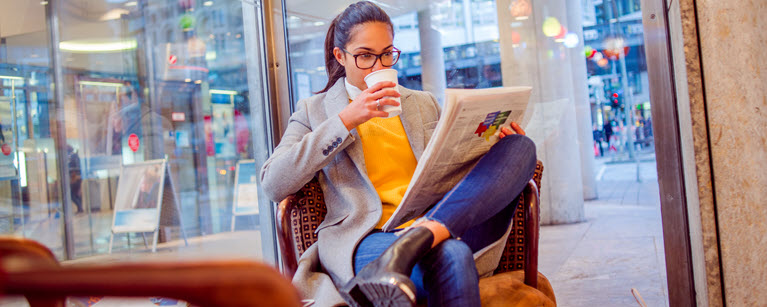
{"x":307,"y":211}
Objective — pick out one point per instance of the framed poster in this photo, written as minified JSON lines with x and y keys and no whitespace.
{"x":245,"y":190}
{"x":138,"y":198}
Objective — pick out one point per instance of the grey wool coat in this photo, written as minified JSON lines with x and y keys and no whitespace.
{"x":316,"y":143}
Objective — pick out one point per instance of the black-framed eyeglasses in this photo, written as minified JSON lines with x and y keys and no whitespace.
{"x":368,"y":60}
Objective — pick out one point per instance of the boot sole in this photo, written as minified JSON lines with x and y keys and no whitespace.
{"x":384,"y":291}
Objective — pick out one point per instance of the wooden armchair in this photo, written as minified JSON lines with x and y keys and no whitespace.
{"x":516,"y":280}
{"x":28,"y":268}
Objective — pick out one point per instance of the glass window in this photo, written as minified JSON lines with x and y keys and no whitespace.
{"x":575,"y":54}
{"x":163,"y":117}
{"x":30,"y":201}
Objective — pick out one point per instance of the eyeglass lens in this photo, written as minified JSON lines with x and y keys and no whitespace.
{"x":367,"y":60}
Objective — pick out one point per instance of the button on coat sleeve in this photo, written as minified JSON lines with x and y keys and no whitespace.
{"x":303,"y":151}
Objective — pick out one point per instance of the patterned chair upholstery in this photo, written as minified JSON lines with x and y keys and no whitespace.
{"x":299,"y":214}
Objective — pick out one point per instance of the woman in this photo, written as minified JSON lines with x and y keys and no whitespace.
{"x":364,"y":163}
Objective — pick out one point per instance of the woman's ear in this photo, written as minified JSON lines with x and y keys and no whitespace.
{"x":339,"y":54}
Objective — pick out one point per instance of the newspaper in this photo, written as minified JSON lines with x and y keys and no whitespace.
{"x":468,"y":127}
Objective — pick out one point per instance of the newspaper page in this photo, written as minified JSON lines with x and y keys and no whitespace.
{"x":469,"y":126}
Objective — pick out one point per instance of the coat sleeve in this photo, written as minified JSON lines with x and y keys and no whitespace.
{"x":302,"y":152}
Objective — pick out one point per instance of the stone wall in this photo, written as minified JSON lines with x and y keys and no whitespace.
{"x":725,"y":47}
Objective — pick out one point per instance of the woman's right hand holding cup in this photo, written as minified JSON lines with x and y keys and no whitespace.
{"x":368,"y":104}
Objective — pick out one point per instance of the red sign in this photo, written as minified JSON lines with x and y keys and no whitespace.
{"x":172,"y":59}
{"x":6,"y":149}
{"x":210,"y":145}
{"x":133,"y":142}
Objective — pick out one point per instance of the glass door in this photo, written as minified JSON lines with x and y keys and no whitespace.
{"x":11,"y":215}
{"x":164,"y":79}
{"x":30,"y":200}
{"x":135,"y":81}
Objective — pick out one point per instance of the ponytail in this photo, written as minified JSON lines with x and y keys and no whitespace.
{"x":334,"y":69}
{"x":340,"y":31}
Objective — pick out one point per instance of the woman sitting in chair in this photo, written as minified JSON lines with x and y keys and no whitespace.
{"x":364,"y":162}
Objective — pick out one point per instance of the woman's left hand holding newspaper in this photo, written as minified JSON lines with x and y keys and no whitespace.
{"x":515,"y":129}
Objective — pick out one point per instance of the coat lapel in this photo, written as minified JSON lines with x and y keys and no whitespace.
{"x":336,"y":100}
{"x":412,"y":122}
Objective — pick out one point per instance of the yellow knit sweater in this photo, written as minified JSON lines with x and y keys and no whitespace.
{"x":389,"y":161}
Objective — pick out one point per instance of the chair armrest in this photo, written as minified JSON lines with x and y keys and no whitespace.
{"x":222,"y":283}
{"x":532,"y":229}
{"x":285,"y":237}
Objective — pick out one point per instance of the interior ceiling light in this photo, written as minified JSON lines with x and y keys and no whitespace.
{"x":551,"y":27}
{"x":97,"y":83}
{"x":114,"y":14}
{"x":222,"y":92}
{"x":97,"y":46}
{"x":571,"y":40}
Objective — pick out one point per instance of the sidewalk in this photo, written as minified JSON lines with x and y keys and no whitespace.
{"x":618,"y":247}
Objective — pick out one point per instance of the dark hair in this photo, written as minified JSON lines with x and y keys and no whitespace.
{"x":340,"y":31}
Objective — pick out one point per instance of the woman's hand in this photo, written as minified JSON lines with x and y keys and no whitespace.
{"x":366,"y":105}
{"x":515,"y":129}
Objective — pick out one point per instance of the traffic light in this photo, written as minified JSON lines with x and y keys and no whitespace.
{"x":616,"y":100}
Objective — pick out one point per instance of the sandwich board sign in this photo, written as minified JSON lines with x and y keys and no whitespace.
{"x":245,"y":190}
{"x":144,"y":193}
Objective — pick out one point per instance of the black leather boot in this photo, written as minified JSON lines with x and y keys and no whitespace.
{"x":385,"y":281}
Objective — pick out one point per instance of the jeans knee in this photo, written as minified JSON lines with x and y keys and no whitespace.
{"x":520,"y":145}
{"x":455,"y":255}
{"x":450,"y":275}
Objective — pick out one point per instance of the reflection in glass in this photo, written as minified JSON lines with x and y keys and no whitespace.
{"x":30,"y":203}
{"x":575,"y":55}
{"x":141,"y":80}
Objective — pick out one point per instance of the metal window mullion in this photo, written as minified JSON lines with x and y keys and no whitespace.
{"x":57,"y":124}
{"x":676,"y":231}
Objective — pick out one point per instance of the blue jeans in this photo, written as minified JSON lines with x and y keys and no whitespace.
{"x":477,"y":212}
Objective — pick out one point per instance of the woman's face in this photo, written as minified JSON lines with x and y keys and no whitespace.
{"x":367,"y":38}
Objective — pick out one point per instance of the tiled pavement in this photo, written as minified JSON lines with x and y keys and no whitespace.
{"x":618,"y":247}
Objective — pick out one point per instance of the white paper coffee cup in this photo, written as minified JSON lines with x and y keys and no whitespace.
{"x":386,"y":75}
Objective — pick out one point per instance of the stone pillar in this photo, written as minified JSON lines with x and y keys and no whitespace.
{"x":468,"y":21}
{"x":433,"y":75}
{"x":581,"y":98}
{"x":728,"y":91}
{"x":528,"y":57}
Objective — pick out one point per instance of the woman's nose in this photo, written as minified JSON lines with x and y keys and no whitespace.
{"x":378,"y":65}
